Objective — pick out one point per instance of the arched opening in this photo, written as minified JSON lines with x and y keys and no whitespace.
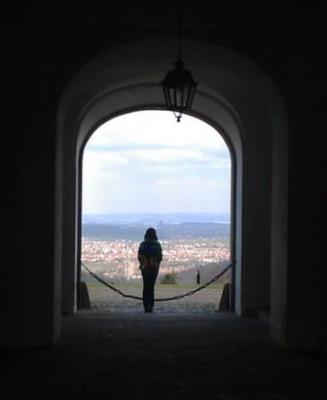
{"x":143,"y":169}
{"x":235,"y":97}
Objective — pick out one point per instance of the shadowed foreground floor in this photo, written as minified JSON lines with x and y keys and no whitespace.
{"x":162,"y":356}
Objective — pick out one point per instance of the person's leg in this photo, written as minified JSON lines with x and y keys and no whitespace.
{"x":146,"y":290}
{"x":152,"y":281}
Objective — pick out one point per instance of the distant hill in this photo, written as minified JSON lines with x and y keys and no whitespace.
{"x":136,"y":232}
{"x":155,"y":219}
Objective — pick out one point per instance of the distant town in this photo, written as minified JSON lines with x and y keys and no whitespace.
{"x":119,"y":258}
{"x":111,"y":249}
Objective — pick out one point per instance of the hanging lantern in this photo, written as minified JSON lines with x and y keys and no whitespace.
{"x":179,"y":85}
{"x":179,"y":88}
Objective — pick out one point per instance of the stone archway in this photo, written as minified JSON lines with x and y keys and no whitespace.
{"x":171,"y":186}
{"x":235,"y":97}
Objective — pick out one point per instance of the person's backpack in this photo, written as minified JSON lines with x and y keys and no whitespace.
{"x":150,"y":255}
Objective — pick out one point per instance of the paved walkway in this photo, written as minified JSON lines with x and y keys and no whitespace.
{"x":167,"y":356}
{"x":204,"y":301}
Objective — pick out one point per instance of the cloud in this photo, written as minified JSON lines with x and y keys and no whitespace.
{"x":130,"y":156}
{"x":159,"y":131}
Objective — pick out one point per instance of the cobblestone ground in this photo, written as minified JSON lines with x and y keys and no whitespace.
{"x":104,"y":299}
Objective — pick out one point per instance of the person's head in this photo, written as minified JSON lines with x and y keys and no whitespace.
{"x":150,"y":234}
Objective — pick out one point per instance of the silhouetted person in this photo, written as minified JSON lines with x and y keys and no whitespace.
{"x":149,"y":256}
{"x":198,"y":280}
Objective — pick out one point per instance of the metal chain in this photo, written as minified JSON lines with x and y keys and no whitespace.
{"x":129,"y":296}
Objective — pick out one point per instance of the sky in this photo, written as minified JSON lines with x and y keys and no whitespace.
{"x":146,"y":161}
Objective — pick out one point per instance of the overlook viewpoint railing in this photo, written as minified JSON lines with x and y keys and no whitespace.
{"x":129,"y":296}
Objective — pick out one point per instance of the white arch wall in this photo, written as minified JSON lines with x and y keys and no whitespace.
{"x":233,"y":95}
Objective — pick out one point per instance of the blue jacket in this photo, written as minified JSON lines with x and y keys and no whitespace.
{"x":150,"y":254}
